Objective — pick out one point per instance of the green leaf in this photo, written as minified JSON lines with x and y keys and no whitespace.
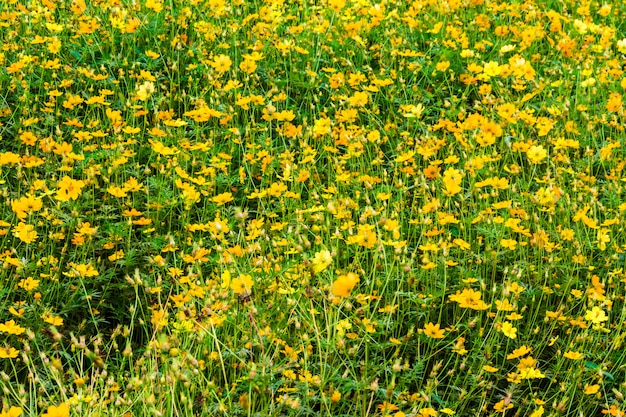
{"x":608,"y":375}
{"x":436,"y":398}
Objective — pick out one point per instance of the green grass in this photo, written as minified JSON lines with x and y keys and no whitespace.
{"x":340,"y":208}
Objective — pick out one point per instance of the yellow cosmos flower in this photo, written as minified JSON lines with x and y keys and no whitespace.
{"x":321,"y":261}
{"x":519,"y":352}
{"x":61,"y":410}
{"x":469,"y":298}
{"x":573,"y":355}
{"x":25,"y":232}
{"x":69,"y":189}
{"x":596,"y":315}
{"x":24,"y":205}
{"x":536,"y":154}
{"x":82,"y":270}
{"x":538,"y":412}
{"x":223,"y":198}
{"x":508,"y":330}
{"x":8,"y":353}
{"x":242,"y":284}
{"x":488,"y":368}
{"x":433,"y":330}
{"x":221,"y":63}
{"x":10,"y":327}
{"x":344,"y":284}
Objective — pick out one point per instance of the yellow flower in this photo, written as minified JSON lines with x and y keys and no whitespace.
{"x":521,"y":351}
{"x":25,"y":232}
{"x":596,"y":315}
{"x":82,"y":270}
{"x":12,"y":412}
{"x":62,"y":410}
{"x":459,"y":346}
{"x":531,"y":373}
{"x":508,"y":243}
{"x":161,"y":149}
{"x":433,"y":330}
{"x":360,"y":98}
{"x":8,"y":353}
{"x":427,"y":412}
{"x":117,"y":191}
{"x":452,"y":181}
{"x":25,"y":205}
{"x":536,"y":154}
{"x":491,"y":69}
{"x":366,"y":236}
{"x":502,"y":406}
{"x":442,"y":65}
{"x":248,"y":66}
{"x":144,"y":90}
{"x":508,"y":330}
{"x":344,"y":284}
{"x":155,"y":5}
{"x":221,"y":63}
{"x":225,"y":279}
{"x":51,"y":319}
{"x":592,"y":389}
{"x":342,"y":326}
{"x":573,"y":355}
{"x":222,"y":199}
{"x":468,"y":298}
{"x":242,"y":284}
{"x":29,"y":284}
{"x":321,"y":261}
{"x":488,"y":368}
{"x":11,"y":327}
{"x":504,"y":305}
{"x":69,"y":189}
{"x":603,"y":238}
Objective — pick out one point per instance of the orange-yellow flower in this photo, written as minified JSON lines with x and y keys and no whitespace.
{"x":344,"y":284}
{"x":521,"y":351}
{"x":468,"y":298}
{"x":221,"y":63}
{"x":322,"y":127}
{"x":82,"y":270}
{"x":573,"y":355}
{"x":452,"y":179}
{"x":69,"y":188}
{"x":24,"y":205}
{"x":442,"y":65}
{"x":62,"y":410}
{"x":223,"y":198}
{"x":25,"y":232}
